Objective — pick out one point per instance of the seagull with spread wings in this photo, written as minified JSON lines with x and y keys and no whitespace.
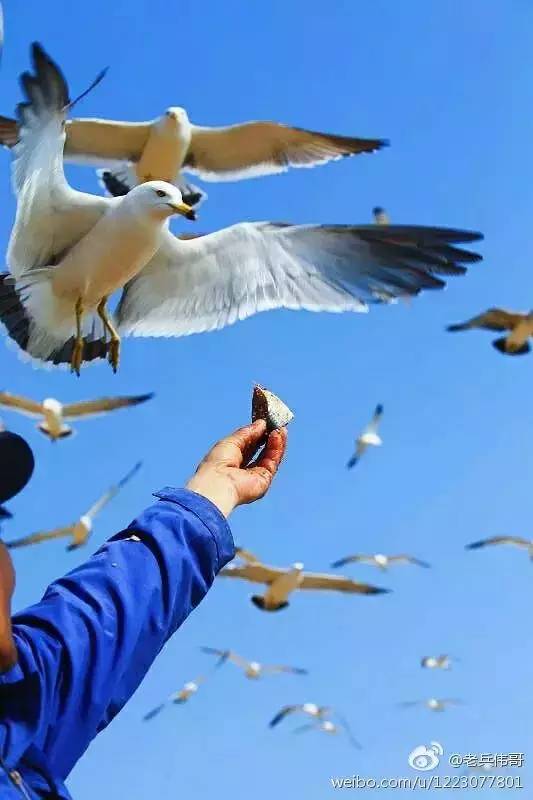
{"x":368,"y":438}
{"x":433,"y":703}
{"x":329,"y":727}
{"x":520,"y":325}
{"x":251,"y":669}
{"x":163,"y":148}
{"x":436,"y":662}
{"x":380,"y":561}
{"x":318,"y":715}
{"x":515,"y":541}
{"x":80,"y":530}
{"x":280,"y":582}
{"x":53,"y":413}
{"x":70,"y":251}
{"x":177,"y":698}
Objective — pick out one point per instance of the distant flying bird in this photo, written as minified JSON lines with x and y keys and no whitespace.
{"x":327,"y":726}
{"x":433,"y":704}
{"x":381,"y":561}
{"x":80,"y":530}
{"x":311,"y":709}
{"x":252,"y":669}
{"x":281,"y":582}
{"x":160,"y":149}
{"x":517,"y":541}
{"x":497,"y":319}
{"x":436,"y":662}
{"x":318,"y":714}
{"x":368,"y":438}
{"x":380,"y":216}
{"x":178,"y":698}
{"x":54,"y":413}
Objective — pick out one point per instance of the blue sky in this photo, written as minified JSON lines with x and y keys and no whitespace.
{"x":451,"y":86}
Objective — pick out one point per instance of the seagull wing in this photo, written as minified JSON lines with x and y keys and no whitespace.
{"x":154,"y":712}
{"x":223,"y":655}
{"x":51,"y":216}
{"x":90,"y":408}
{"x":352,"y":559}
{"x":256,"y":573}
{"x":210,"y":282}
{"x":495,"y":319}
{"x":262,"y":148}
{"x":276,"y":668}
{"x":104,"y":141}
{"x":373,"y":425}
{"x":348,"y":730}
{"x":41,"y":536}
{"x":246,"y":555}
{"x":22,"y":404}
{"x":315,"y":580}
{"x":515,"y":540}
{"x":282,"y":713}
{"x":112,"y":492}
{"x":405,"y":559}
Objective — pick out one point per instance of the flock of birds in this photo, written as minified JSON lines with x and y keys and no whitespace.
{"x":71,"y":251}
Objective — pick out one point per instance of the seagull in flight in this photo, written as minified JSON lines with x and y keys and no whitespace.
{"x":520,"y":325}
{"x":436,"y":662}
{"x":515,"y":541}
{"x":80,"y":530}
{"x":319,"y":716}
{"x":368,"y":438}
{"x":163,"y":148}
{"x":252,"y":669}
{"x":70,"y":251}
{"x":329,"y":727}
{"x":53,"y":413}
{"x":433,"y":704}
{"x":380,"y":561}
{"x":280,"y":582}
{"x":177,"y":698}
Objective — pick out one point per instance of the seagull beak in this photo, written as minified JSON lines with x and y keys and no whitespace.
{"x":185,"y":210}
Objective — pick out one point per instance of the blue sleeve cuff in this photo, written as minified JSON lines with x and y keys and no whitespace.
{"x":209,"y":515}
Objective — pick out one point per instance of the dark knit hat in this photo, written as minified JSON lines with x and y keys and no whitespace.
{"x":16,"y":467}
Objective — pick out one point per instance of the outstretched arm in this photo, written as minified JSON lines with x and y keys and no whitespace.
{"x":85,"y":648}
{"x":8,"y":652}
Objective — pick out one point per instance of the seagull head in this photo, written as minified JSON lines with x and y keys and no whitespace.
{"x":176,"y":114}
{"x":52,"y":405}
{"x":297,"y":566}
{"x":310,"y":708}
{"x":158,"y":199}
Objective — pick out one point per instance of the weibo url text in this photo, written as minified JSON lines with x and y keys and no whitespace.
{"x":430,"y":782}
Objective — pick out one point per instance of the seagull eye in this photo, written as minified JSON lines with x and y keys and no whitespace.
{"x":160,"y":193}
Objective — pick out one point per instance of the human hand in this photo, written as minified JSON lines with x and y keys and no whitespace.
{"x":225,"y":477}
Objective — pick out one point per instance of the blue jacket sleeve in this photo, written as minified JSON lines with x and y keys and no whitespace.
{"x":85,"y":648}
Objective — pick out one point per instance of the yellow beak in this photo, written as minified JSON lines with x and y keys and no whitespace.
{"x":183,"y":209}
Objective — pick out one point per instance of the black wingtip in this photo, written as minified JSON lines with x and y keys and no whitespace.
{"x":379,"y":408}
{"x":474,"y":545}
{"x":379,"y":590}
{"x":455,"y":328}
{"x":502,"y":346}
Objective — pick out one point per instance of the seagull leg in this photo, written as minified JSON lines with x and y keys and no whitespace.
{"x":77,"y":351}
{"x":114,"y":344}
